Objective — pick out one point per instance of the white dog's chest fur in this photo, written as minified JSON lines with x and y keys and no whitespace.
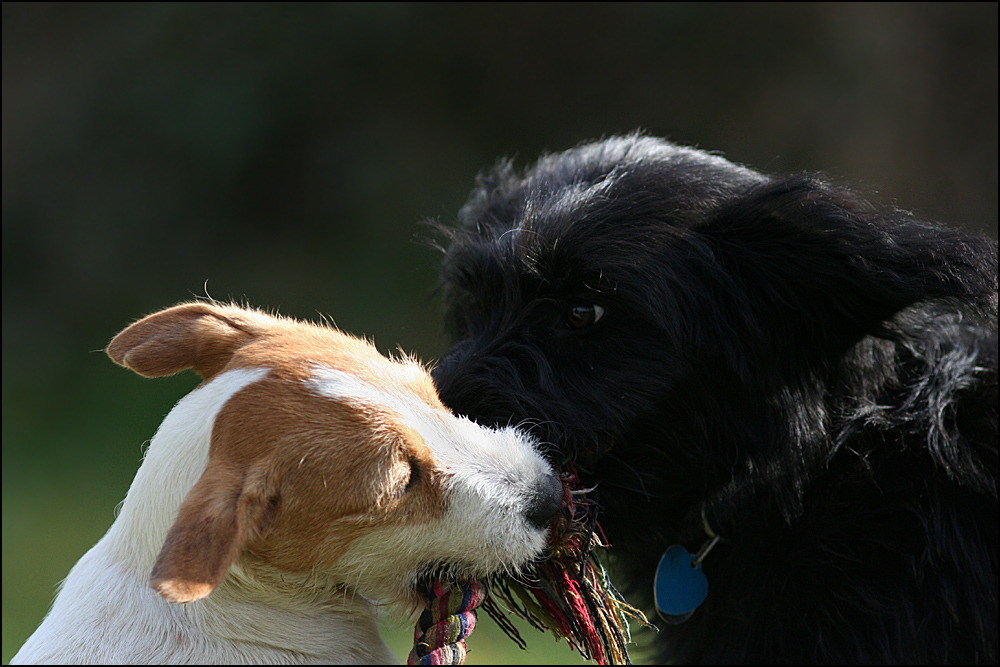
{"x":107,"y":614}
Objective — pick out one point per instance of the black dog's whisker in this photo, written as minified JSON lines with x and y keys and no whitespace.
{"x":638,"y":476}
{"x":635,"y":489}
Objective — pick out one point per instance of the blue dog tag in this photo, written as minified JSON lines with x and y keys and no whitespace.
{"x":680,"y":585}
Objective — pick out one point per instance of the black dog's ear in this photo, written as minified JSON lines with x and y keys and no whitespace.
{"x":823,"y":267}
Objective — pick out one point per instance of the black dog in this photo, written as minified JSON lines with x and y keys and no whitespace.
{"x":768,"y":359}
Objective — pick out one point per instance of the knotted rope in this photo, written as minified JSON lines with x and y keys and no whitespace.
{"x":569,"y":592}
{"x":448,"y":618}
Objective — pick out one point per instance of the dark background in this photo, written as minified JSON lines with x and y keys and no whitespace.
{"x":285,"y":156}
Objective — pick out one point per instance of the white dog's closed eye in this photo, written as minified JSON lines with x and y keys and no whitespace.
{"x":305,"y":476}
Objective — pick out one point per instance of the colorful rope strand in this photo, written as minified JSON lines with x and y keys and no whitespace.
{"x":450,"y":617}
{"x":569,"y":593}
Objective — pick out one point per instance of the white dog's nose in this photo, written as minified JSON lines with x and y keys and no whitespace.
{"x":545,"y":501}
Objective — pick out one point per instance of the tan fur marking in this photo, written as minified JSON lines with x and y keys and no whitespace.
{"x":283,"y":462}
{"x":192,"y":335}
{"x":211,"y":530}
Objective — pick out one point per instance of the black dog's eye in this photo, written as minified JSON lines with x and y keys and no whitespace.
{"x":583,"y":315}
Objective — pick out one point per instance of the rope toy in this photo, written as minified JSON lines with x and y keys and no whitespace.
{"x":569,"y":592}
{"x":448,"y":618}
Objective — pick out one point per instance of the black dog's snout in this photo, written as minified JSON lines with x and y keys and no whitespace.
{"x":546,"y":499}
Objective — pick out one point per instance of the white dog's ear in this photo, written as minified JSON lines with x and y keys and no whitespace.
{"x":192,"y":335}
{"x":223,"y":512}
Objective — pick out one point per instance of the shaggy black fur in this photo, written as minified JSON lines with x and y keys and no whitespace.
{"x":817,"y":376}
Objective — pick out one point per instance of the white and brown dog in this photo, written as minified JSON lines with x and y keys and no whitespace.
{"x":307,"y":477}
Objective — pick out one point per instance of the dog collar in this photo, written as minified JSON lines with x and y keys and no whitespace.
{"x":680,"y":586}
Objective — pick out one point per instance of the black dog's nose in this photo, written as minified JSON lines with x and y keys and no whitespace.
{"x":546,"y":499}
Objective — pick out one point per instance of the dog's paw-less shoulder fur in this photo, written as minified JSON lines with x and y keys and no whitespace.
{"x":812,"y":376}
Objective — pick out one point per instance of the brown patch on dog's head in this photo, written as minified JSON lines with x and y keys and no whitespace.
{"x":293,"y":476}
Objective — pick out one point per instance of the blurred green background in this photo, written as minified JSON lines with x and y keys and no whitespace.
{"x":285,"y":155}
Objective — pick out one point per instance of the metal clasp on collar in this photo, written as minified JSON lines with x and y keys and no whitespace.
{"x":705,"y":548}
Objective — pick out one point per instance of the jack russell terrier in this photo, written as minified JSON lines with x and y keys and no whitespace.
{"x":306,"y":478}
